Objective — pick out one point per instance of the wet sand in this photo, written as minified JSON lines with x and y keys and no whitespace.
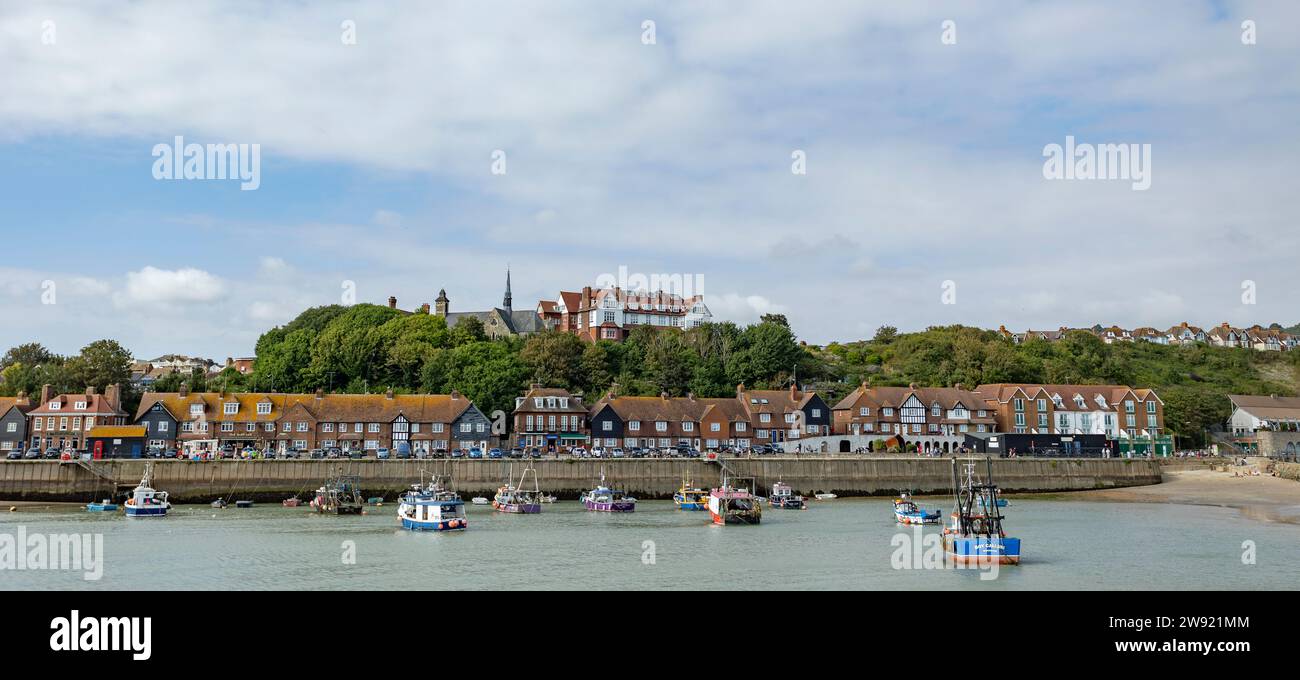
{"x":1266,"y":498}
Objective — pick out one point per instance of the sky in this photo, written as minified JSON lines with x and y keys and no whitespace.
{"x":847,"y":164}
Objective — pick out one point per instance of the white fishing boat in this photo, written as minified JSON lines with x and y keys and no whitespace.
{"x":145,"y":501}
{"x":432,"y":507}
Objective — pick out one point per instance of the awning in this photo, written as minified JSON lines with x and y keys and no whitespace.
{"x":582,"y":437}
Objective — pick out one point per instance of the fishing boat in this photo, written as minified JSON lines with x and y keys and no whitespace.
{"x":783,"y":496}
{"x":519,"y":499}
{"x":219,"y":504}
{"x":291,"y":502}
{"x":731,"y":504}
{"x":431,"y":507}
{"x":690,"y":497}
{"x":548,"y":499}
{"x":605,"y":499}
{"x":906,"y":511}
{"x":341,"y":495}
{"x":375,"y":500}
{"x":106,"y":505}
{"x":976,"y":535}
{"x":145,"y":501}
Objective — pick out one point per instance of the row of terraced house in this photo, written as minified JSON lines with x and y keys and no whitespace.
{"x":1224,"y":335}
{"x":554,"y":419}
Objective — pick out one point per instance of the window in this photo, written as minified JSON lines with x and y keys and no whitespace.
{"x":1042,"y":404}
{"x":634,"y":425}
{"x":227,"y":427}
{"x":741,"y":427}
{"x":1020,"y":404}
{"x":936,"y":411}
{"x":864,"y":411}
{"x":528,"y":423}
{"x":564,"y":402}
{"x":54,"y":406}
{"x":36,"y":424}
{"x":480,"y":427}
{"x":80,"y":406}
{"x":300,"y":444}
{"x":1151,"y":407}
{"x":550,"y":422}
{"x":688,"y":426}
{"x":356,"y":427}
{"x":196,"y":409}
{"x":765,"y":417}
{"x":661,"y":426}
{"x":327,"y":427}
{"x":1020,"y":420}
{"x":63,"y":423}
{"x":251,"y":427}
{"x":1151,"y":420}
{"x":816,"y":413}
{"x":288,"y":426}
{"x":302,"y":427}
{"x":269,"y":427}
{"x":374,"y":428}
{"x":715,"y":427}
{"x":466,"y":427}
{"x":607,"y":426}
{"x":437,"y":427}
{"x":887,"y":412}
{"x":1042,"y":420}
{"x":1128,"y":406}
{"x":415,"y":428}
{"x":231,"y":408}
{"x":264,"y":408}
{"x":537,"y":402}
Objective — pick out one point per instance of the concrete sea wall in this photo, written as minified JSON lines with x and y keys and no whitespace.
{"x":195,"y":482}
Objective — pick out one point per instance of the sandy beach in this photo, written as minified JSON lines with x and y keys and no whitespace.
{"x":1264,"y":497}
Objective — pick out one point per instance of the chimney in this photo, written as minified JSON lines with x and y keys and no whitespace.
{"x":663,"y":395}
{"x":794,"y":391}
{"x":47,"y":393}
{"x":1184,"y":324}
{"x":424,"y":308}
{"x":392,"y":302}
{"x":455,"y":395}
{"x":113,"y":394}
{"x":320,"y":392}
{"x":389,"y":394}
{"x":184,"y":390}
{"x":740,"y":388}
{"x":911,"y":386}
{"x":90,"y":391}
{"x":690,"y":395}
{"x":959,"y":386}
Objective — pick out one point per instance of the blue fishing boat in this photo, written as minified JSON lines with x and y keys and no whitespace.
{"x":906,"y":511}
{"x":145,"y":501}
{"x":690,"y":497}
{"x":431,"y":507}
{"x":976,"y":535}
{"x":105,"y":505}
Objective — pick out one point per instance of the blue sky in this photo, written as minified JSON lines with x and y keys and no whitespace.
{"x":924,"y":161}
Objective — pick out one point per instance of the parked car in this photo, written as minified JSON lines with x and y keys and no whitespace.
{"x":459,"y":453}
{"x":598,"y":452}
{"x":517,"y":452}
{"x":616,"y":453}
{"x":579,"y":451}
{"x":384,"y":454}
{"x":496,"y":454}
{"x":476,"y":452}
{"x":32,"y":454}
{"x":317,"y":453}
{"x":16,"y":454}
{"x":777,"y":448}
{"x":290,"y":454}
{"x":402,"y":450}
{"x":357,"y":455}
{"x":534,"y":452}
{"x":438,"y":453}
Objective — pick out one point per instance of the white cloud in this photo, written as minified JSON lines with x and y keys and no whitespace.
{"x":153,"y":285}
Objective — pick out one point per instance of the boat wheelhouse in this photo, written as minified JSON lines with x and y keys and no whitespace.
{"x":976,"y":535}
{"x":906,"y":511}
{"x":432,"y":507}
{"x":783,"y":496}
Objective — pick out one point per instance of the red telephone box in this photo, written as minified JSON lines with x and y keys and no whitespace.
{"x":99,"y":449}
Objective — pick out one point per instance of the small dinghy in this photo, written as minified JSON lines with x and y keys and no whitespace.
{"x":375,"y":500}
{"x":479,"y":500}
{"x":105,"y":505}
{"x":291,"y":502}
{"x":244,"y":504}
{"x":219,"y":504}
{"x":825,"y":496}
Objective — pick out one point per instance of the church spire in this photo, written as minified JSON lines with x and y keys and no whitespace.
{"x":506,"y":302}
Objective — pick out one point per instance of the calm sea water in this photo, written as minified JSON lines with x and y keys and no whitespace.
{"x":840,"y":544}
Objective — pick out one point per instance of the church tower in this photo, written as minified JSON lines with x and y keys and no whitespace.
{"x":442,"y":305}
{"x":506,"y":303}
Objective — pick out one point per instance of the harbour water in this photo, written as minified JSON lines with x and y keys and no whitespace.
{"x":839,"y":544}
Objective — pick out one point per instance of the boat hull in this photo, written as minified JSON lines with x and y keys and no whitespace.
{"x":610,"y":506}
{"x":518,"y":508}
{"x":101,"y":507}
{"x":692,"y":506}
{"x":149,"y":511}
{"x":981,"y":550}
{"x":736,"y":517}
{"x":451,"y":524}
{"x":787,"y":503}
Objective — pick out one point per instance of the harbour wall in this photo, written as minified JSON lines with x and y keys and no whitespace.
{"x":274,"y":480}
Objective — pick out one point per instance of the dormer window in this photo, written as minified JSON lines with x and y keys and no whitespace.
{"x":196,"y":409}
{"x":231,"y":408}
{"x":54,"y":406}
{"x":1078,"y":400}
{"x":936,"y":411}
{"x":264,"y":408}
{"x":537,"y":402}
{"x":564,"y":402}
{"x":80,"y":406}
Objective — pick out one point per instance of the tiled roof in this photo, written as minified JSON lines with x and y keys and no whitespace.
{"x":423,"y":408}
{"x":7,"y":403}
{"x":96,"y":405}
{"x":116,"y":431}
{"x":894,"y":397}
